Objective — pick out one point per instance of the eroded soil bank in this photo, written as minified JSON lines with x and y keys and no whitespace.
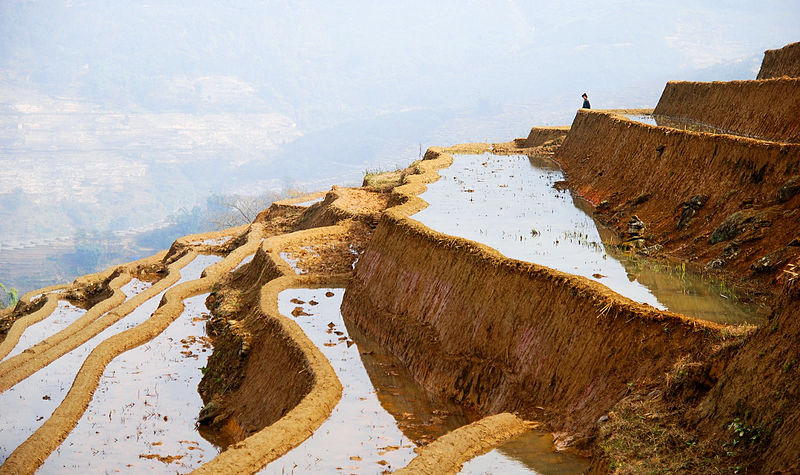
{"x":781,"y":62}
{"x":520,"y":346}
{"x":765,"y":109}
{"x":725,"y":205}
{"x":518,"y":206}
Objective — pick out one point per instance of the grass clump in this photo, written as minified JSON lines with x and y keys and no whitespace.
{"x":384,"y":181}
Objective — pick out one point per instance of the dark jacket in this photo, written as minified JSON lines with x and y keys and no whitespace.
{"x":586,"y":104}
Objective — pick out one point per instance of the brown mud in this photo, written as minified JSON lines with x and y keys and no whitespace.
{"x":721,"y":204}
{"x":765,"y":109}
{"x":448,"y":453}
{"x":253,"y":341}
{"x":541,"y":141}
{"x":638,"y":389}
{"x":422,"y":294}
{"x":781,"y":62}
{"x":35,"y":449}
{"x":726,"y":206}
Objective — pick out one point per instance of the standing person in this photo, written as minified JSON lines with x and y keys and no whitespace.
{"x":586,"y":104}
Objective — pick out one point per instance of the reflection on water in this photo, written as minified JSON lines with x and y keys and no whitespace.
{"x":509,"y":203}
{"x":421,"y":416}
{"x":31,"y":401}
{"x":690,"y":294}
{"x":310,"y":202}
{"x":360,"y":436}
{"x":64,"y":314}
{"x":383,"y":414}
{"x":643,"y":118}
{"x":142,"y":416}
{"x":531,"y":452}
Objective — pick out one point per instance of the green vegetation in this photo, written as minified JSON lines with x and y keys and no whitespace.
{"x":744,"y":434}
{"x":642,"y":435}
{"x":9,"y":297}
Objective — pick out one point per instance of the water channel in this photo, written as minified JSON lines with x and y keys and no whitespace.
{"x":510,"y":204}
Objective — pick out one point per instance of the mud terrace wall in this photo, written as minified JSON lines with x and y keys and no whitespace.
{"x":759,"y":386}
{"x":781,"y":62}
{"x":448,"y":453}
{"x":539,"y":135}
{"x":504,"y":335}
{"x":768,"y":109}
{"x":607,"y":157}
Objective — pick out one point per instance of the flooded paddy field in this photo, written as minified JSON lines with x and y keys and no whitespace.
{"x":35,"y":398}
{"x":142,"y":416}
{"x":64,"y":314}
{"x":516,"y":205}
{"x":383,"y":414}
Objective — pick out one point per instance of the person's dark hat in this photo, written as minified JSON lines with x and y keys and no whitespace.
{"x":583,"y":95}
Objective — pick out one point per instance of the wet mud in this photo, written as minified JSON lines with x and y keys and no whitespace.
{"x":724,"y":205}
{"x":531,"y":452}
{"x":383,"y":414}
{"x":360,"y":436}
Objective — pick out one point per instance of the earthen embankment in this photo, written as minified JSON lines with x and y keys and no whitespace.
{"x":268,"y":387}
{"x":448,"y":453}
{"x":781,"y":62}
{"x":717,"y":200}
{"x":766,"y":109}
{"x":540,"y":135}
{"x":503,"y":335}
{"x":759,"y":390}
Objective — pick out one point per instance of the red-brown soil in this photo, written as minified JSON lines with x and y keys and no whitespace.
{"x":767,"y":109}
{"x":781,"y":62}
{"x":251,"y":349}
{"x":726,"y":205}
{"x":501,"y":335}
{"x":722,"y":204}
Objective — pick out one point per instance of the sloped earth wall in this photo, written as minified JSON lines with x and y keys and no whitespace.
{"x":781,"y":62}
{"x":714,"y":201}
{"x":654,"y":172}
{"x":539,"y":135}
{"x":768,"y":109}
{"x":504,"y":335}
{"x":759,"y":387}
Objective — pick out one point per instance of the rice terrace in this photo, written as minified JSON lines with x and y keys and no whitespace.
{"x":618,"y":295}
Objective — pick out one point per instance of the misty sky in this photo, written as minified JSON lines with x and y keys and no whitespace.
{"x":114,"y":115}
{"x":323,"y":62}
